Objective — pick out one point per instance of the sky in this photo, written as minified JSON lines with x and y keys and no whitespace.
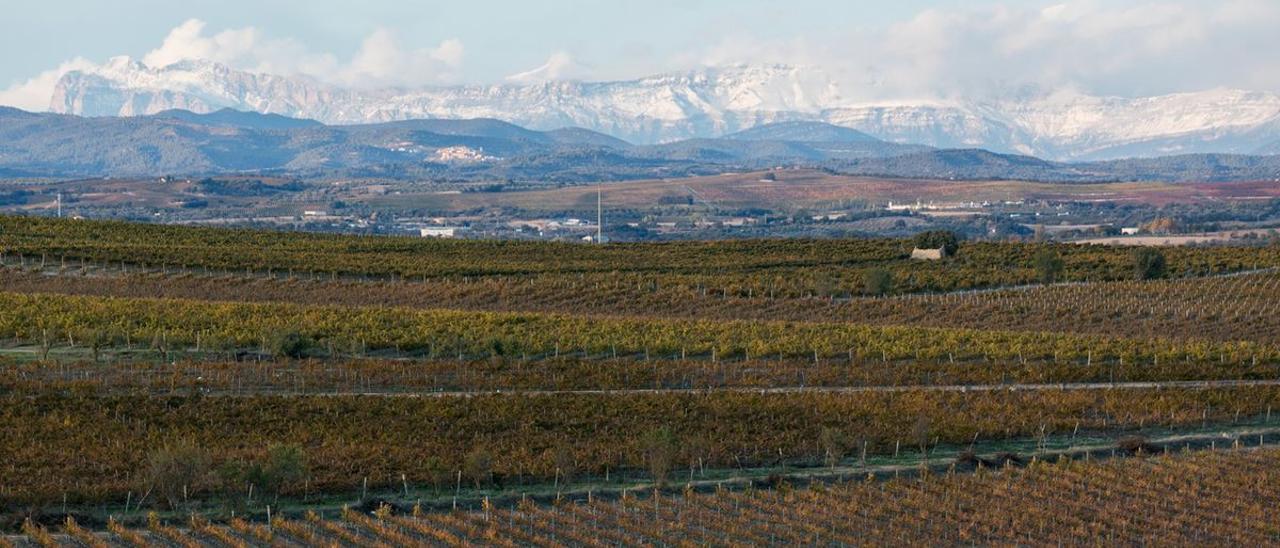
{"x":877,"y":50}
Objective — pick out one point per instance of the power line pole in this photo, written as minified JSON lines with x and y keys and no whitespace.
{"x":59,"y":205}
{"x":599,"y":214}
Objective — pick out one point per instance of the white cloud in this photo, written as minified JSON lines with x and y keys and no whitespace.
{"x":380,"y":61}
{"x":449,"y":52}
{"x":559,"y":66}
{"x":1122,"y":48}
{"x":35,"y":93}
{"x":188,"y":41}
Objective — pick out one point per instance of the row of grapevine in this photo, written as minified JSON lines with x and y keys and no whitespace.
{"x":1210,"y":498}
{"x":212,"y":325}
{"x":96,"y":448}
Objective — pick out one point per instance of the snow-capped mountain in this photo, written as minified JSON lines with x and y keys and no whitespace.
{"x":711,"y":102}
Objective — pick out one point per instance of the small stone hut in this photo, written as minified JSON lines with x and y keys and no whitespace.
{"x":938,"y":254}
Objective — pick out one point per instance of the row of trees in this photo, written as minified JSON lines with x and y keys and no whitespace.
{"x":1148,"y":264}
{"x":181,"y":471}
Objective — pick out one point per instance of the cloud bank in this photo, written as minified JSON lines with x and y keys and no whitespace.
{"x":379,"y":62}
{"x":1106,"y":48}
{"x":1125,"y":48}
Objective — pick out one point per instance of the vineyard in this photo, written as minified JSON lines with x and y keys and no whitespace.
{"x":776,"y":268}
{"x":171,"y":324}
{"x":176,"y":385}
{"x":385,"y":440}
{"x":1210,"y":498}
{"x":1224,"y":308}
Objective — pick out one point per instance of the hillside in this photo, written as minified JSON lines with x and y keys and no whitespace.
{"x":186,"y":143}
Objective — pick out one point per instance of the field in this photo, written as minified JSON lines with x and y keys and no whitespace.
{"x":794,"y":188}
{"x":1212,"y":498}
{"x":156,"y":381}
{"x":806,"y":188}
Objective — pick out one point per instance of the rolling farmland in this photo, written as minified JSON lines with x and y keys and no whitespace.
{"x":160,"y":380}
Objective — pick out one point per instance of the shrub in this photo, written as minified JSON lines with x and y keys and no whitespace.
{"x":1049,"y":266}
{"x":176,"y":471}
{"x":834,"y":445}
{"x":478,"y":466}
{"x":659,"y":448}
{"x":1148,"y":263}
{"x":877,"y":281}
{"x":289,"y":344}
{"x":1136,"y":445}
{"x":284,"y":468}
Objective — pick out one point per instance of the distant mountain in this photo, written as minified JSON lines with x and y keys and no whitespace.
{"x":971,"y":164}
{"x":802,"y":132}
{"x":583,"y":136}
{"x":484,"y":128}
{"x":184,"y":143}
{"x":181,"y":142}
{"x":710,"y":103}
{"x":1191,"y":167}
{"x":228,"y":117}
{"x":758,"y":153}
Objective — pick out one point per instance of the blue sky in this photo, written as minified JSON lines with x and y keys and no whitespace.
{"x":883,"y":49}
{"x":501,"y":37}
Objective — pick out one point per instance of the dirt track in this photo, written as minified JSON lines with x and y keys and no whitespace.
{"x":961,"y":388}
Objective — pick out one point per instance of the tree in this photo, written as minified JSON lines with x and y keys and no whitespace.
{"x":478,"y":465}
{"x":834,"y":445}
{"x":96,"y":340}
{"x":947,"y":240}
{"x":659,"y":448}
{"x":178,"y":470}
{"x":232,"y":477}
{"x":877,"y":281}
{"x":921,"y":433}
{"x":565,"y":461}
{"x":285,"y":466}
{"x":1049,"y":266}
{"x":46,"y":343}
{"x":437,"y":470}
{"x":823,"y":284}
{"x":1148,"y":263}
{"x":289,"y":344}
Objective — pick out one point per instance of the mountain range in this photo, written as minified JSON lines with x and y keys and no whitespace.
{"x":181,"y":142}
{"x":710,"y":103}
{"x":184,"y":142}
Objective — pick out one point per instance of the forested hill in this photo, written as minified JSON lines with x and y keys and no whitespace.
{"x":185,"y":143}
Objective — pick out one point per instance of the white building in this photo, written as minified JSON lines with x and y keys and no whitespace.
{"x":461,"y":155}
{"x":439,"y":232}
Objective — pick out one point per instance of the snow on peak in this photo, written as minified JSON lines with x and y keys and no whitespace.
{"x":707,"y":102}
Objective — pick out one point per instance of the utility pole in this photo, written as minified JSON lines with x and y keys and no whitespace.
{"x":59,"y":205}
{"x":599,"y":214}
